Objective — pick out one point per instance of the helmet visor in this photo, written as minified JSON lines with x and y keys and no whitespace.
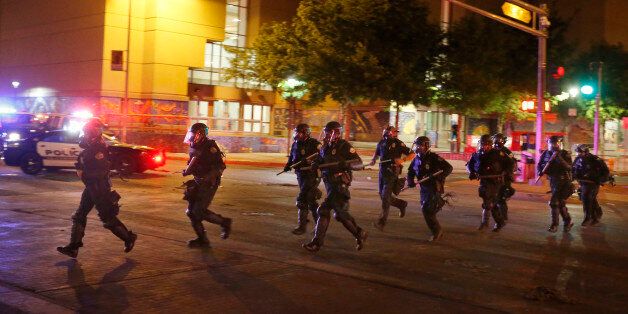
{"x":189,"y":137}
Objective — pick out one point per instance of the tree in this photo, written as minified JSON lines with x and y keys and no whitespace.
{"x":349,"y":50}
{"x":487,"y":67}
{"x":583,"y":70}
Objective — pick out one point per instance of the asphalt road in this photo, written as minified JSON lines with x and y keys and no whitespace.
{"x":263,"y":269}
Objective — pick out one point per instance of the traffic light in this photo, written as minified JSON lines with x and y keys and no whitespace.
{"x":586,"y":89}
{"x":554,"y":85}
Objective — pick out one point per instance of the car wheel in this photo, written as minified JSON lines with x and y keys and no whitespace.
{"x":126,"y":164}
{"x":31,"y":163}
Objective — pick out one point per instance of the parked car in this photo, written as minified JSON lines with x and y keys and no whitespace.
{"x":59,"y":149}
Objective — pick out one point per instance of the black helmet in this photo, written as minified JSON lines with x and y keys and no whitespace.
{"x":332,"y":125}
{"x":388,"y":131}
{"x":499,"y":139}
{"x":582,"y":148}
{"x":91,"y":132}
{"x":193,"y":130}
{"x":332,"y":132}
{"x":554,"y":139}
{"x":303,"y":128}
{"x":421,"y":141}
{"x":485,"y":140}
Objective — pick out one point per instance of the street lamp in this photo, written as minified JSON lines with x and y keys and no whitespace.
{"x":15,"y":85}
{"x":291,"y":90}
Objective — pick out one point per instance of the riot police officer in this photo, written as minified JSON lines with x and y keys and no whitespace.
{"x":335,"y":162}
{"x":92,"y":167}
{"x":590,"y":171}
{"x":490,"y":166}
{"x":426,"y":165}
{"x":556,"y":163}
{"x":304,"y":149}
{"x":507,"y":191}
{"x":389,"y":150}
{"x":206,"y":164}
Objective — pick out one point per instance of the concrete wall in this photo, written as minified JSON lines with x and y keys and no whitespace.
{"x":167,"y":38}
{"x":51,"y":47}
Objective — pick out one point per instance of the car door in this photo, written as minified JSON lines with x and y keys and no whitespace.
{"x":59,"y":149}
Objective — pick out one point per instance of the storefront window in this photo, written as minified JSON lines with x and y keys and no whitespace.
{"x":256,"y":118}
{"x":226,"y":115}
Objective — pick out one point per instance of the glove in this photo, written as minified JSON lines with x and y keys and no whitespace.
{"x":372,"y":163}
{"x":473,"y":176}
{"x":185,"y":172}
{"x":287,"y":168}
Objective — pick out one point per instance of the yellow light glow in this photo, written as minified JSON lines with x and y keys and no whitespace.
{"x":516,"y":12}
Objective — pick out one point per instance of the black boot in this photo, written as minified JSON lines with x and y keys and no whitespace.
{"x":226,"y":228}
{"x":312,"y":246}
{"x":301,"y":223}
{"x":319,"y":234}
{"x":360,"y":238}
{"x":485,"y":217}
{"x":130,"y":242}
{"x":201,"y":237}
{"x":69,"y":250}
{"x":401,"y":204}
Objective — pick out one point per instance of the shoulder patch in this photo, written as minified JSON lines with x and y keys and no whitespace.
{"x":213,"y":150}
{"x":319,"y":146}
{"x":99,"y":156}
{"x":352,"y":150}
{"x":402,"y":144}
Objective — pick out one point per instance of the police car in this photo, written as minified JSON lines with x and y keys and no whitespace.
{"x":59,"y":149}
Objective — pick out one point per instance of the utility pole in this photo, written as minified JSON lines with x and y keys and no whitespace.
{"x":540,"y":23}
{"x":540,"y":86}
{"x":598,"y":96}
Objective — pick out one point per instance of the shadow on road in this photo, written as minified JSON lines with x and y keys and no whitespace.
{"x":248,"y":288}
{"x":108,"y":294}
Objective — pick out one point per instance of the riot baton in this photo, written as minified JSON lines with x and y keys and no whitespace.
{"x":331,"y":164}
{"x":298,"y":163}
{"x":439,"y":172}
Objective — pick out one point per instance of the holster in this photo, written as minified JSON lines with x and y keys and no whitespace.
{"x":191,"y":189}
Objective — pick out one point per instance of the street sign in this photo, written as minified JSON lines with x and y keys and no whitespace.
{"x":516,"y":12}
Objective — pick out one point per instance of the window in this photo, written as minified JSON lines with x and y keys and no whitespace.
{"x":226,"y":115}
{"x":198,"y":111}
{"x":256,"y":118}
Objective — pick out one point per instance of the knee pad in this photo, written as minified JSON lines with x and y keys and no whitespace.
{"x":110,"y":222}
{"x":323,"y":211}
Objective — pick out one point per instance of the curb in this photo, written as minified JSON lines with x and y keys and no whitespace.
{"x":269,"y":164}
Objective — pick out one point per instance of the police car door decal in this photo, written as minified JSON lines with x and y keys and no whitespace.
{"x":58,"y":154}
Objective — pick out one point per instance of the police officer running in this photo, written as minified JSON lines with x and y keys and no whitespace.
{"x":556,"y":163}
{"x":389,"y":150}
{"x":491,"y":167}
{"x":304,"y":149}
{"x":335,"y":161}
{"x":507,"y":191}
{"x":92,"y":167}
{"x":206,"y":165}
{"x":590,"y":171}
{"x":427,"y":165}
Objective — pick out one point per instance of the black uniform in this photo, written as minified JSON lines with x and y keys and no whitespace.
{"x":507,"y":190}
{"x":308,"y":179}
{"x":495,"y":164}
{"x":431,"y":190}
{"x":590,"y":171}
{"x":94,"y":164}
{"x":337,"y":180}
{"x":200,"y":192}
{"x":388,"y":150}
{"x":559,"y":174}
